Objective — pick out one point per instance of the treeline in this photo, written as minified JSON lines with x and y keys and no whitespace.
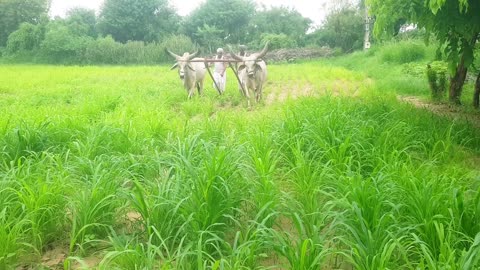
{"x":138,"y":31}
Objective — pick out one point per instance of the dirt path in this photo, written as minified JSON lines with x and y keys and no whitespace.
{"x":443,"y":109}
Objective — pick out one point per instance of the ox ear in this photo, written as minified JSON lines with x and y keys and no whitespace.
{"x":174,"y":66}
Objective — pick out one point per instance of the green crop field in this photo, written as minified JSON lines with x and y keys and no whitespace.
{"x":114,"y":168}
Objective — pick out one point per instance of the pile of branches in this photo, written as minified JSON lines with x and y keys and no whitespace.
{"x":291,"y":55}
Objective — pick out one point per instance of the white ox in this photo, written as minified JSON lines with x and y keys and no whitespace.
{"x":252,"y":73}
{"x":191,"y":73}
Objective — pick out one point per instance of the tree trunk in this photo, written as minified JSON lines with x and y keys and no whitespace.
{"x":476,"y":94}
{"x":457,"y":82}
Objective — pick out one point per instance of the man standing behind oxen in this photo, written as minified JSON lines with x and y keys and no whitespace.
{"x":220,"y":74}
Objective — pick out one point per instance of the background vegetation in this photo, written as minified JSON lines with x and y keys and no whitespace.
{"x":113,"y":167}
{"x":137,"y":32}
{"x":344,"y":165}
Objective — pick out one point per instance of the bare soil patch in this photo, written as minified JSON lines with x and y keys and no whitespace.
{"x":443,"y":109}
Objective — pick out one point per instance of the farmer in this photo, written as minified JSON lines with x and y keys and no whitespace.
{"x":219,"y":74}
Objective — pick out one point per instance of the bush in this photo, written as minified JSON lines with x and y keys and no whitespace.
{"x":342,"y":29}
{"x":102,"y":51}
{"x":178,"y":44}
{"x":278,"y":41}
{"x":417,"y":34}
{"x":437,"y":79}
{"x":403,"y":52}
{"x":27,"y":38}
{"x":61,"y":46}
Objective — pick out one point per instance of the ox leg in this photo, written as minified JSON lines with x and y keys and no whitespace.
{"x":247,"y":95}
{"x":200,"y":88}
{"x":191,"y":92}
{"x":258,"y":94}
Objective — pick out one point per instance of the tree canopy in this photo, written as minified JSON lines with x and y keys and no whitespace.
{"x":83,"y":21}
{"x":455,"y":23}
{"x":225,"y":20}
{"x":15,"y":12}
{"x":145,"y":20}
{"x":279,"y":20}
{"x":343,"y":28}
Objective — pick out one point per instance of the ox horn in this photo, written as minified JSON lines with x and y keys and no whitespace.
{"x":193,"y":55}
{"x":172,"y":54}
{"x":236,"y":57}
{"x":264,"y":51}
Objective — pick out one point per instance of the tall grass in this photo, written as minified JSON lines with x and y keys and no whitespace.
{"x":115,"y":163}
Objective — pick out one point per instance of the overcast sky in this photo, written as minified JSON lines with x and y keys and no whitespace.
{"x":315,"y":10}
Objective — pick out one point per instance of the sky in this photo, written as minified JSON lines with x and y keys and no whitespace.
{"x":315,"y":10}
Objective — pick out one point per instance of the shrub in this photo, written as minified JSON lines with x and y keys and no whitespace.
{"x":278,"y":41}
{"x":403,"y":52}
{"x":102,"y":51}
{"x":178,"y":44}
{"x":61,"y":46}
{"x":27,"y":38}
{"x":437,"y":79}
{"x":343,"y":28}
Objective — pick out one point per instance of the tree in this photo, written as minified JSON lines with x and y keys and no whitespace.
{"x":280,"y":20}
{"x":342,"y":28}
{"x":15,"y":12}
{"x":227,"y":20}
{"x":27,"y":38}
{"x":82,"y":21}
{"x":141,"y":20}
{"x":455,"y":23}
{"x":61,"y":45}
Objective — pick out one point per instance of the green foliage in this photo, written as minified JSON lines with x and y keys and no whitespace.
{"x":225,"y":20}
{"x":277,"y":41}
{"x":82,"y":21}
{"x":145,"y":20}
{"x":62,"y":46}
{"x":15,"y":12}
{"x":178,"y":44}
{"x":405,"y":52}
{"x":437,"y":81}
{"x":27,"y":38}
{"x":456,"y":24}
{"x":108,"y":51}
{"x":343,"y":28}
{"x":279,"y":21}
{"x":139,"y":176}
{"x":102,"y":50}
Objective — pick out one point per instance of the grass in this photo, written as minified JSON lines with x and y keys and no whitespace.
{"x":117,"y":169}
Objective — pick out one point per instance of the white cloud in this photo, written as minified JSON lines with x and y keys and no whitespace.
{"x":315,"y":10}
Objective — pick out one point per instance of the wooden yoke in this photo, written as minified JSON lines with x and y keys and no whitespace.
{"x":209,"y":72}
{"x":229,"y":61}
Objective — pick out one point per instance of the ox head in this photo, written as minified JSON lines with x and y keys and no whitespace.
{"x":183,"y":62}
{"x":251,"y":62}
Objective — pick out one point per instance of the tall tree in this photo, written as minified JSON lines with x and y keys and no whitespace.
{"x":455,"y":23}
{"x":82,"y":21}
{"x":142,"y":20}
{"x":343,"y":28}
{"x":229,"y":19}
{"x":280,"y":20}
{"x":15,"y":12}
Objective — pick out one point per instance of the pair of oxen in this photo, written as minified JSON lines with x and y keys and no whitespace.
{"x":252,"y":72}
